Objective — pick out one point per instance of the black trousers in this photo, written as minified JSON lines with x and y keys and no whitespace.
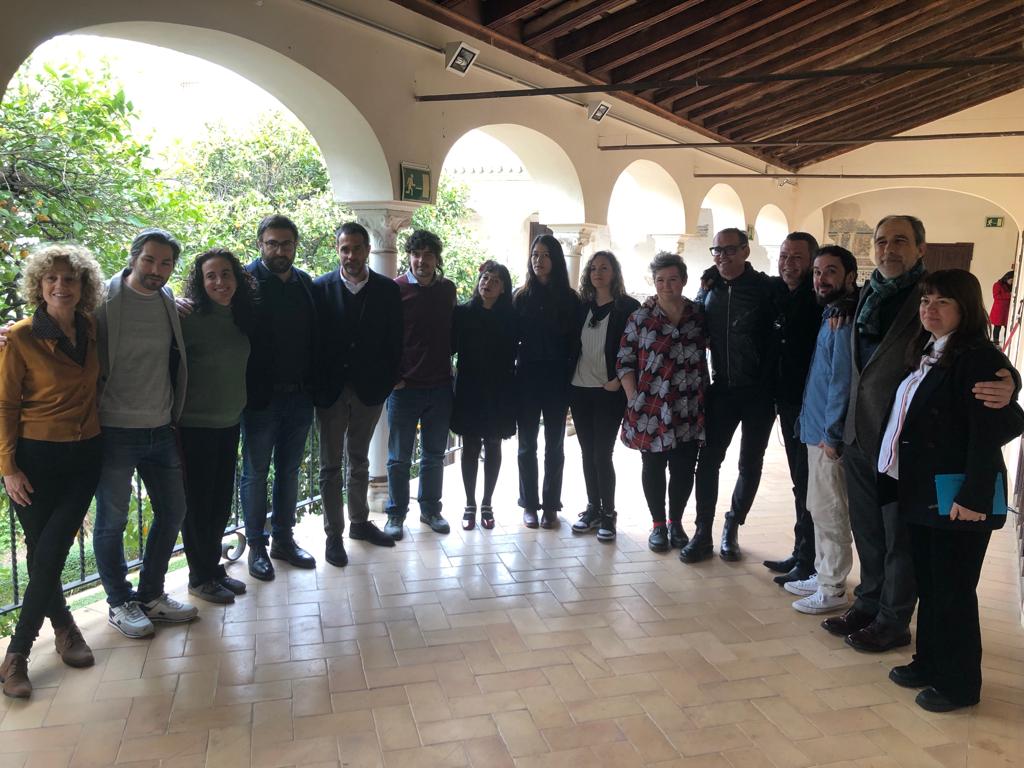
{"x":725,"y":411}
{"x":471,"y":445}
{"x":64,"y":476}
{"x":947,"y":564}
{"x":796,"y":457}
{"x":887,"y":590}
{"x":680,"y":462}
{"x":597,"y":416}
{"x":543,"y":391}
{"x":210,"y":456}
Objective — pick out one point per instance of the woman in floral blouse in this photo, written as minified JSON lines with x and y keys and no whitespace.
{"x":663,"y":368}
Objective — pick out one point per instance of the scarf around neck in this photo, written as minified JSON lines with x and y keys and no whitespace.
{"x":880,"y":289}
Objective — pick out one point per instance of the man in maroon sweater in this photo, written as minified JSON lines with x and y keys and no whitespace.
{"x":423,"y":394}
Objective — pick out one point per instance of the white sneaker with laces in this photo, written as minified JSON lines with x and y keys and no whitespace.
{"x":166,"y":609}
{"x":803,"y":587}
{"x":129,"y":620}
{"x":821,"y":602}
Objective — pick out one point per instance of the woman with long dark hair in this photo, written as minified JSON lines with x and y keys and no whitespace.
{"x":216,"y":337}
{"x":595,"y":395}
{"x":545,"y":311}
{"x":484,"y":341}
{"x":941,"y":458}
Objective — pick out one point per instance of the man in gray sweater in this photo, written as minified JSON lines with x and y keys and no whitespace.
{"x":142,"y":389}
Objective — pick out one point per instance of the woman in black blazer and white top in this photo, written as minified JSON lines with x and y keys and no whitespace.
{"x":943,"y":448}
{"x":595,"y":396}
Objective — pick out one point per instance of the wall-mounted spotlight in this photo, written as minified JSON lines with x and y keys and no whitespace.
{"x":459,"y":57}
{"x":596,"y":110}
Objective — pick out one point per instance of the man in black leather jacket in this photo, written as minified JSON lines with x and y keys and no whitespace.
{"x":739,"y":316}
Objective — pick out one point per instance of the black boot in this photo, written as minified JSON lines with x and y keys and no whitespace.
{"x":658,"y":540}
{"x":730,"y":547}
{"x":260,"y":566}
{"x":700,"y":547}
{"x":677,"y":538}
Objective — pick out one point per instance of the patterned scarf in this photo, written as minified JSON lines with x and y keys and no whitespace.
{"x":882,"y":288}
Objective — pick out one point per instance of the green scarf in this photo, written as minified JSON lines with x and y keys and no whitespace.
{"x":879,"y":289}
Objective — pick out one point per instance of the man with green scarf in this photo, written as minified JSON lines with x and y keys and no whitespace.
{"x":885,"y":321}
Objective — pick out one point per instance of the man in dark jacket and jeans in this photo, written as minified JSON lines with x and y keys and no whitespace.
{"x":739,"y":314}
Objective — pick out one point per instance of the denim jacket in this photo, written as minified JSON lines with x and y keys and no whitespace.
{"x":827,"y":392}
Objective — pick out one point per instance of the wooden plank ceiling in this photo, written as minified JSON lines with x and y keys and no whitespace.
{"x":597,"y":41}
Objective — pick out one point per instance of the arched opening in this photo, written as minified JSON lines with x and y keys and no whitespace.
{"x":720,"y":209}
{"x":351,"y":150}
{"x":645,"y":215}
{"x":517,"y":179}
{"x":770,"y":229}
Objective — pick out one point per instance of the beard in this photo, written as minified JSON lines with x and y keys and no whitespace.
{"x":152,"y":282}
{"x":828,"y":298}
{"x":278,"y":264}
{"x":353,"y":269}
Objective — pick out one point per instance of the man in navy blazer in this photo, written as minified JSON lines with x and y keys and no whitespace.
{"x":360,"y":313}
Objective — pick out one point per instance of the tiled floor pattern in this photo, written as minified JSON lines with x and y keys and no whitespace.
{"x":535,"y":649}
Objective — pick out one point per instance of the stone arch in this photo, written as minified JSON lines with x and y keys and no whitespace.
{"x":645,"y":215}
{"x":770,"y":229}
{"x":721,"y":208}
{"x":355,"y":159}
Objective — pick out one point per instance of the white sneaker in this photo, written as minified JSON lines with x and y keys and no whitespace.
{"x":803,"y":587}
{"x":166,"y":609}
{"x":821,"y":602}
{"x":129,"y":620}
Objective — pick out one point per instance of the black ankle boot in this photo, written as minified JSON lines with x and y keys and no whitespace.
{"x":730,"y":547}
{"x":700,"y":547}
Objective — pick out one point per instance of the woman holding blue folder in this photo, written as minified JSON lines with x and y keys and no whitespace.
{"x":942,"y":447}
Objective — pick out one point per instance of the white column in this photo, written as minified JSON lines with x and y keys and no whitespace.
{"x":383,"y":220}
{"x":574,"y":238}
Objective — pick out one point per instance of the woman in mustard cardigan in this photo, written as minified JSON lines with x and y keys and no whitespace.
{"x":49,"y":441}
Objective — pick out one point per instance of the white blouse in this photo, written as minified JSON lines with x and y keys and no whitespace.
{"x":889,"y":455}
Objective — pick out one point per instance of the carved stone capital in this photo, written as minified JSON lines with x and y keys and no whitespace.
{"x":384,"y":220}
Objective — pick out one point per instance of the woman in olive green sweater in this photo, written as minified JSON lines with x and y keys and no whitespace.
{"x":216,"y":337}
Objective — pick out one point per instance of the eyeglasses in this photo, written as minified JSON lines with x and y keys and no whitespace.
{"x":283,"y":245}
{"x":725,"y":250}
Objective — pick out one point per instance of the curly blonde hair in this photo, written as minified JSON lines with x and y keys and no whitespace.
{"x":83,"y":265}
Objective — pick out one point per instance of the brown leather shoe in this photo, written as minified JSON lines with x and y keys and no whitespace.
{"x":851,"y":621}
{"x":14,"y":675}
{"x":530,"y":518}
{"x":549,"y":520}
{"x":71,"y":646}
{"x":876,"y":638}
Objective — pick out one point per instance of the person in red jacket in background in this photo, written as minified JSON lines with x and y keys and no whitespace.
{"x":1002,"y":289}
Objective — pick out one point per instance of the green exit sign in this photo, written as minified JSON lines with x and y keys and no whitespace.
{"x":993,"y":221}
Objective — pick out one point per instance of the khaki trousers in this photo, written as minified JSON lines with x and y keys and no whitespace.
{"x":829,"y":507}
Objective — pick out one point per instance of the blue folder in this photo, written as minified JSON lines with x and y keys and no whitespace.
{"x":948,"y":486}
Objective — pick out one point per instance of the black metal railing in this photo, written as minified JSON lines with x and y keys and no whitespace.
{"x":80,"y":568}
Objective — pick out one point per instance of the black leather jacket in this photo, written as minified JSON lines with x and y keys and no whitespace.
{"x":740,"y":317}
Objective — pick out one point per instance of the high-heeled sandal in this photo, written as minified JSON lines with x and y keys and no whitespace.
{"x":469,"y":519}
{"x":486,"y":517}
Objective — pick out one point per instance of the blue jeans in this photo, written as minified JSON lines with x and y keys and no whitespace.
{"x":154,"y":452}
{"x":431,"y":408}
{"x":279,"y":431}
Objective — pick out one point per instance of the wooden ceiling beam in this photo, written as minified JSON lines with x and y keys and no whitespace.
{"x":771,"y":44}
{"x":802,"y":106}
{"x":561,"y":19}
{"x":707,"y":17}
{"x":497,"y":13}
{"x":726,"y":30}
{"x":901,"y":112}
{"x":845,"y":48}
{"x":618,"y":26}
{"x":807,"y":156}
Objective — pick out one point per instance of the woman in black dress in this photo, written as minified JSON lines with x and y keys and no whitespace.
{"x":546,"y":309}
{"x":484,"y":340}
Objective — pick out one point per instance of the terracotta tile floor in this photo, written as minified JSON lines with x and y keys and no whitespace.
{"x":515,"y":647}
